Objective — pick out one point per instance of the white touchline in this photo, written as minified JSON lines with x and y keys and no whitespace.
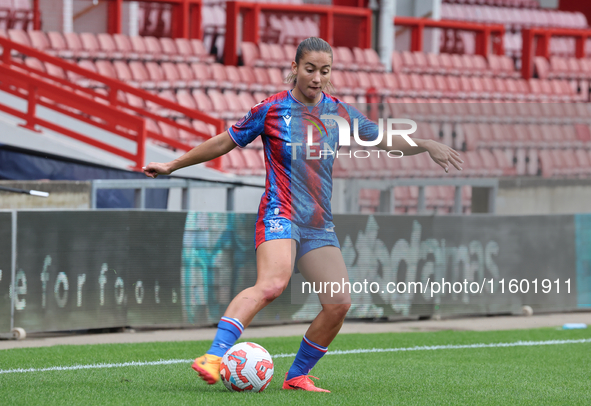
{"x":337,"y":352}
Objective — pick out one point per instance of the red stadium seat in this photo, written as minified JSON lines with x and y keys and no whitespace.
{"x":200,"y":51}
{"x":186,"y":74}
{"x":123,"y":72}
{"x":157,"y":75}
{"x":203,"y":101}
{"x":169,"y":131}
{"x":107,"y":45}
{"x":138,"y":46}
{"x":233,"y":76}
{"x":153,"y":47}
{"x":140,"y":74}
{"x":58,"y":44}
{"x":185,"y":49}
{"x":75,"y":45}
{"x":234,"y":105}
{"x":171,"y":73}
{"x":202,"y":73}
{"x":262,"y":76}
{"x":106,"y":68}
{"x":247,"y":76}
{"x":20,"y":37}
{"x":169,"y":48}
{"x":186,"y":100}
{"x":125,"y":46}
{"x":218,"y":74}
{"x":246,"y":100}
{"x":91,"y":44}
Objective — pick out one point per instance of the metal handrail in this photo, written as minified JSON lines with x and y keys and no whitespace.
{"x":387,"y":187}
{"x":140,"y":186}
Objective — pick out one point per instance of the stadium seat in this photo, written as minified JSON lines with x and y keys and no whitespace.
{"x":140,"y":75}
{"x":156,"y":74}
{"x":124,"y":73}
{"x":185,"y":50}
{"x":202,"y":74}
{"x":171,"y":74}
{"x":125,"y":46}
{"x":90,"y":43}
{"x":107,"y":44}
{"x":74,"y":44}
{"x":153,"y":47}
{"x":58,"y":45}
{"x":169,"y":48}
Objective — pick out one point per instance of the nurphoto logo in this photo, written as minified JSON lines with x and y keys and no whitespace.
{"x":344,"y":137}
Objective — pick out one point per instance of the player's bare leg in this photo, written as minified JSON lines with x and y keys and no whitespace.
{"x":274,"y":267}
{"x":321,"y":265}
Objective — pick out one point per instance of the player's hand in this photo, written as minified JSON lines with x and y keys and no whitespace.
{"x":444,"y":156}
{"x":153,"y":169}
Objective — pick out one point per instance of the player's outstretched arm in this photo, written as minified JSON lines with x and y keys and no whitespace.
{"x":440,"y":153}
{"x":211,"y":149}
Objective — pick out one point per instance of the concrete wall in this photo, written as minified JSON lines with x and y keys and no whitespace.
{"x":56,"y":15}
{"x":60,"y":15}
{"x":93,"y":18}
{"x":62,"y":195}
{"x":544,"y":196}
{"x":549,"y":3}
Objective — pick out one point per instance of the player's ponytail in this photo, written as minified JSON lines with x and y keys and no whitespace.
{"x":312,"y":44}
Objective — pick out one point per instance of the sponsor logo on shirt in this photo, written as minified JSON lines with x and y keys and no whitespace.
{"x":287,"y":119}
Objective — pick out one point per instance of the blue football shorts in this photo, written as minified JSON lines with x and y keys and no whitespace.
{"x":307,"y":238}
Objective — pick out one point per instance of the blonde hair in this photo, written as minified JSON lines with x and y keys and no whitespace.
{"x":312,"y":44}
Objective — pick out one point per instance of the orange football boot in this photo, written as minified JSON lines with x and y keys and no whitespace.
{"x":208,"y":368}
{"x":303,"y":383}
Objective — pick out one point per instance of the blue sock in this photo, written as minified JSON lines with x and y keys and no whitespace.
{"x":229,"y":331}
{"x":307,"y":356}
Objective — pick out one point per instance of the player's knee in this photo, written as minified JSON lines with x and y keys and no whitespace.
{"x":273,"y":289}
{"x":338,"y":311}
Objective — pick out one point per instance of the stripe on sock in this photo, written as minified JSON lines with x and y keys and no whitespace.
{"x":314,"y":345}
{"x":234,"y":322}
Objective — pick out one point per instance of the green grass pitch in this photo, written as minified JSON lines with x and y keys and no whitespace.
{"x":517,"y":375}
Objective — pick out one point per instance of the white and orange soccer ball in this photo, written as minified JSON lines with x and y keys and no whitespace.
{"x":246,"y":367}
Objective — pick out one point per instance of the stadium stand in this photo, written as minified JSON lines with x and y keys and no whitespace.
{"x":515,"y":15}
{"x":16,"y":14}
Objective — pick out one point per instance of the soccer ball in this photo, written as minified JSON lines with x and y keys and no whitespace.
{"x":246,"y":367}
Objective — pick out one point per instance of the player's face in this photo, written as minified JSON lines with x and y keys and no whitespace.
{"x":313,"y":74}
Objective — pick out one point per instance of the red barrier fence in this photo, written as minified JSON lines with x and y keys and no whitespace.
{"x":540,"y":40}
{"x":102,"y":110}
{"x":251,"y":13}
{"x":487,"y":35}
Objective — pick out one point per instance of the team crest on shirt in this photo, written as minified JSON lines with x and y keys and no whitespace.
{"x":244,"y":119}
{"x":330,"y":124}
{"x":275,"y":226}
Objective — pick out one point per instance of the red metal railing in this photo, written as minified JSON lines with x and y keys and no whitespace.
{"x":487,"y":35}
{"x":38,"y":91}
{"x":540,"y":38}
{"x":105,"y":111}
{"x":252,"y":11}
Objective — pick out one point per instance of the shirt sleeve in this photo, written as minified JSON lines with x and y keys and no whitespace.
{"x":368,"y":130}
{"x":250,"y":126}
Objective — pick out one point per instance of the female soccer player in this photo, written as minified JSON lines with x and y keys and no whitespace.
{"x":294,"y":215}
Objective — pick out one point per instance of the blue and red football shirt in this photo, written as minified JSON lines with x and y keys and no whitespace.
{"x":299,"y":175}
